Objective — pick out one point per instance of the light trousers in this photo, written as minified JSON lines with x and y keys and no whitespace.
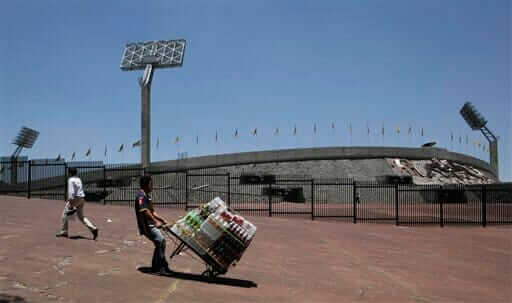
{"x":79,"y":213}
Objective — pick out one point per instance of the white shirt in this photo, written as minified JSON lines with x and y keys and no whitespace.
{"x":75,"y":189}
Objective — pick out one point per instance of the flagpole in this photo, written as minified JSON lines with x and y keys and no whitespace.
{"x":313,"y":142}
{"x":409,"y":133}
{"x":216,"y":141}
{"x":295,"y":135}
{"x":350,"y":130}
{"x":398,"y":135}
{"x":382,"y":133}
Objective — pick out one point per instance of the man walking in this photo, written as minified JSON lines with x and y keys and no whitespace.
{"x":149,"y":223}
{"x":75,"y":203}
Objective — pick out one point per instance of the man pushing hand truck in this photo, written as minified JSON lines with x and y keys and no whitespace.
{"x":149,"y":224}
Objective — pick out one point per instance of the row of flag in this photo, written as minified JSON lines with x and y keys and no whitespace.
{"x":254,"y":132}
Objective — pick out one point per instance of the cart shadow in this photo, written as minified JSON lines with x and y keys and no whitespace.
{"x":201,"y":278}
{"x":79,"y":238}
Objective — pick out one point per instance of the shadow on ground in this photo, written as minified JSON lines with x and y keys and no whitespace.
{"x":79,"y":238}
{"x":5,"y":298}
{"x":202,"y":278}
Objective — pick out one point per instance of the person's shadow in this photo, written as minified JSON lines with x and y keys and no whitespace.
{"x":6,"y":298}
{"x":202,"y":278}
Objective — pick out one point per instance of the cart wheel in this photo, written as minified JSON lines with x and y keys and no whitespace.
{"x":209,"y":273}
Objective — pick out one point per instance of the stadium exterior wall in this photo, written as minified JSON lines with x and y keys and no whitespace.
{"x":352,"y":154}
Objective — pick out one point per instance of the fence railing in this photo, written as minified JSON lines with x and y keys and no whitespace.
{"x":341,"y":199}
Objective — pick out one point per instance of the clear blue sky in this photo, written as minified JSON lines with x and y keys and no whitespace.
{"x":256,"y":64}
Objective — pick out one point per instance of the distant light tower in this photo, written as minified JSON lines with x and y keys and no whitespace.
{"x":477,"y":122}
{"x":25,"y":139}
{"x":147,"y":56}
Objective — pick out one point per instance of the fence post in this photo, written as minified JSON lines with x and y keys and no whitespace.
{"x":29,"y":183}
{"x":65,"y":180}
{"x":312,"y":199}
{"x":270,"y":199}
{"x":396,"y":204}
{"x":229,"y":189}
{"x":484,"y":205}
{"x":186,"y":190}
{"x":441,"y":207}
{"x":355,"y":199}
{"x":104,"y":185}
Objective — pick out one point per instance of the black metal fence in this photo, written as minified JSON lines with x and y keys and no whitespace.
{"x":341,"y":199}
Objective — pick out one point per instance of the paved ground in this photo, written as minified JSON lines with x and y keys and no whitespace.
{"x":290,"y":260}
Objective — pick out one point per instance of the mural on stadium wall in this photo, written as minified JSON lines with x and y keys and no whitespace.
{"x":438,"y":171}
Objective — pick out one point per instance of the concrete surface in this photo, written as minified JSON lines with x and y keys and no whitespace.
{"x":290,"y":260}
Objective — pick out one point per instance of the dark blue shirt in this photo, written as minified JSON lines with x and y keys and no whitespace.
{"x":143,"y":202}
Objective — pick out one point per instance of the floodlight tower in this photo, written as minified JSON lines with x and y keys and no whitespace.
{"x":25,"y":139}
{"x":477,"y":122}
{"x":148,"y":56}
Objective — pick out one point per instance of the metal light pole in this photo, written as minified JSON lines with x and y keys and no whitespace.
{"x":145,"y":85}
{"x":148,"y":56}
{"x":477,"y":122}
{"x":25,"y":139}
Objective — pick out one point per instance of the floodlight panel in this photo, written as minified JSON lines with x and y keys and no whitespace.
{"x":26,"y":137}
{"x":472,"y":117}
{"x":161,"y":54}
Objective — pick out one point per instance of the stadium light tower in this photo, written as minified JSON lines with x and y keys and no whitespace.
{"x":148,"y":56}
{"x":25,"y":139}
{"x":477,"y":122}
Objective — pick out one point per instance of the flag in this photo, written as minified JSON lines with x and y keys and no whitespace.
{"x":451,"y":136}
{"x":236,"y":132}
{"x":276,"y":132}
{"x":398,"y":131}
{"x":295,"y":130}
{"x":382,"y":130}
{"x":177,"y":140}
{"x":197,"y":139}
{"x":422,"y":131}
{"x":137,"y":143}
{"x":368,"y":128}
{"x":157,"y":142}
{"x":105,"y":150}
{"x":332,"y":126}
{"x":73,"y":156}
{"x":314,"y":128}
{"x":58,"y":158}
{"x":216,"y":136}
{"x":88,"y":152}
{"x":409,"y":131}
{"x":121,"y":148}
{"x":350,"y":128}
{"x":255,"y":132}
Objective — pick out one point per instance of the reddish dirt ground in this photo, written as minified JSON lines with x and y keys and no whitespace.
{"x":290,"y":260}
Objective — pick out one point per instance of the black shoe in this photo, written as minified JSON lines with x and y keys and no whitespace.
{"x":62,"y":234}
{"x":165,"y":271}
{"x":94,"y":233}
